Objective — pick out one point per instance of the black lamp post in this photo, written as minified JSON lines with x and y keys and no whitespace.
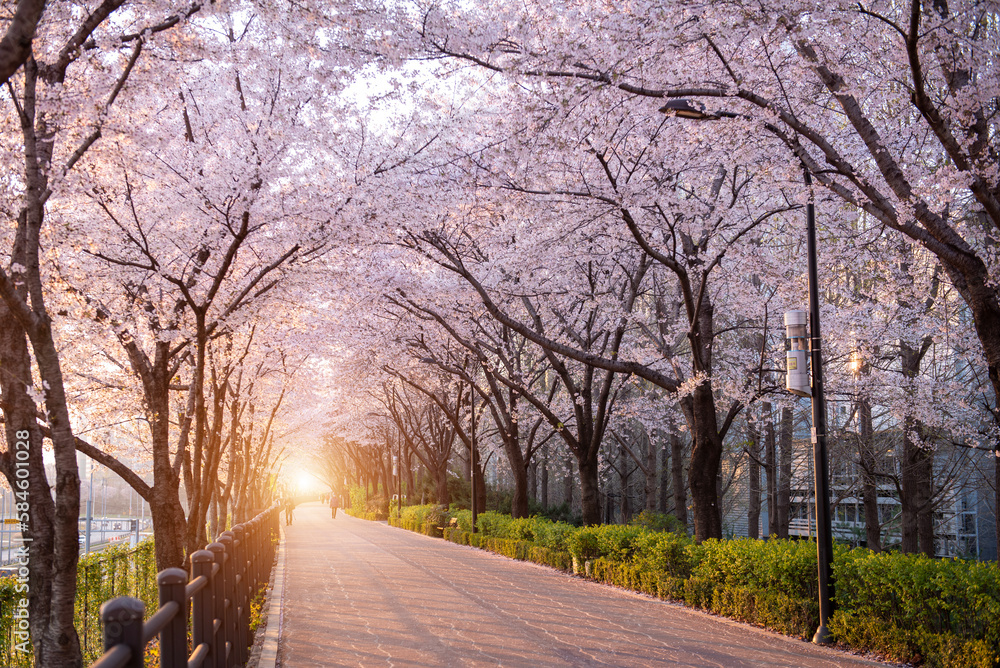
{"x":683,"y":108}
{"x":824,"y":533}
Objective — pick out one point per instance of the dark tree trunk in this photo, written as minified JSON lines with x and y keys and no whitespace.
{"x":24,"y":447}
{"x":664,"y":478}
{"x":706,"y":458}
{"x":916,"y":496}
{"x":480,"y":486}
{"x":784,"y":499}
{"x":916,"y":470}
{"x":519,"y":503}
{"x":568,"y":483}
{"x":771,"y":464}
{"x":441,"y":482}
{"x":753,"y":467}
{"x":533,"y":481}
{"x":544,"y":498}
{"x":869,"y":479}
{"x":409,"y":477}
{"x":677,"y":474}
{"x":590,"y":502}
{"x":651,"y":474}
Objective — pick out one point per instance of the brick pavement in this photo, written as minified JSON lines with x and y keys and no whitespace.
{"x":361,"y":593}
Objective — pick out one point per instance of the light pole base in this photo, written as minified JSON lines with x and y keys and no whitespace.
{"x":823,"y":636}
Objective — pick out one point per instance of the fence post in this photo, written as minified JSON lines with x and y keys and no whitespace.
{"x":203,"y":608}
{"x":122,"y":619}
{"x":241,"y":583}
{"x":173,"y":637}
{"x":228,"y":539}
{"x":254,"y":543}
{"x":219,"y":637}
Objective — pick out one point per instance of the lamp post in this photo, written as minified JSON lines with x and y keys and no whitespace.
{"x":683,"y":108}
{"x":824,"y":534}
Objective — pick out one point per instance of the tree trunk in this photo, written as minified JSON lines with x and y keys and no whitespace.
{"x":590,"y":502}
{"x":651,"y":474}
{"x":916,"y":496}
{"x":532,"y":481}
{"x":784,"y":500}
{"x":916,"y":467}
{"x":869,"y":479}
{"x":677,"y":474}
{"x":519,"y":502}
{"x":49,"y":524}
{"x":664,"y":478}
{"x":753,"y":467}
{"x":771,"y":463}
{"x":706,"y":458}
{"x":213,"y":517}
{"x":544,"y":498}
{"x":568,"y":483}
{"x":480,"y":485}
{"x":24,"y":446}
{"x":441,"y":480}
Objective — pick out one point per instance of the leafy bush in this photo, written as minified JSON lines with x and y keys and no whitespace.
{"x":613,"y":541}
{"x":463,"y":519}
{"x":786,"y":565}
{"x":553,"y":535}
{"x":582,"y":544}
{"x":492,"y":523}
{"x":368,"y":507}
{"x":658,"y":522}
{"x":417,"y":514}
{"x":946,"y":611}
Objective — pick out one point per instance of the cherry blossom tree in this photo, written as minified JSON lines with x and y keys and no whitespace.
{"x":917,"y":150}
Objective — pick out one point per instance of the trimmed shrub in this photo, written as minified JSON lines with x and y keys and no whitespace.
{"x":553,"y":535}
{"x":549,"y":557}
{"x":613,"y":541}
{"x":665,"y":553}
{"x":652,"y":521}
{"x":907,"y":606}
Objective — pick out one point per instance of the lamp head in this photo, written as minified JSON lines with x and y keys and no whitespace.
{"x":683,"y":108}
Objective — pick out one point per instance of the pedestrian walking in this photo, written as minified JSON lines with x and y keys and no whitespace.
{"x":289,"y":507}
{"x":334,"y":502}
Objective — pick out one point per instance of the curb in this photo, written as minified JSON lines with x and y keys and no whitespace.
{"x":275,"y":610}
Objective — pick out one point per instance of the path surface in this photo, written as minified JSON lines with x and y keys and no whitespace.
{"x":361,"y":593}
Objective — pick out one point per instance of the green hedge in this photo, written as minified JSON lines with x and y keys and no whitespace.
{"x":939,"y":612}
{"x":942,"y":611}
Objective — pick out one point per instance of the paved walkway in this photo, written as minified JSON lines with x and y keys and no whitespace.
{"x":360,"y":593}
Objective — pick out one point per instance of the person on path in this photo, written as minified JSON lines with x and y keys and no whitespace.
{"x":334,"y":502}
{"x":289,"y":507}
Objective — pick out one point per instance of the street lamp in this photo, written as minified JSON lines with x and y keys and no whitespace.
{"x":683,"y":108}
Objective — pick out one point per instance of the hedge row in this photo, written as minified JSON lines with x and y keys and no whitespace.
{"x":940,"y":612}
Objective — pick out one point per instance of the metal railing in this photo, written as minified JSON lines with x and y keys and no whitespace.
{"x":225,"y":577}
